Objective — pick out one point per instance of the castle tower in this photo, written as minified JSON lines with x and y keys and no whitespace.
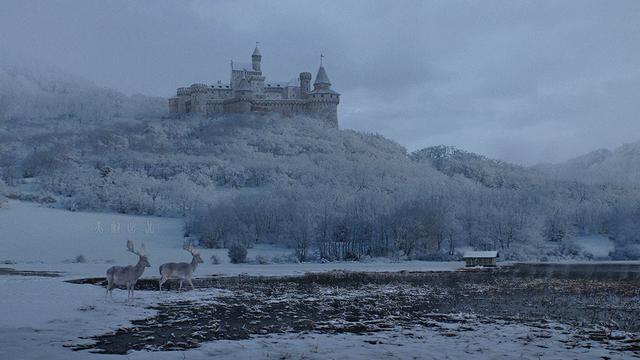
{"x":256,"y":57}
{"x":305,"y":84}
{"x":322,"y":80}
{"x":323,"y":101}
{"x":242,"y":101}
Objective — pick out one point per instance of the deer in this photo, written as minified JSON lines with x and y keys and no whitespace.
{"x":183,"y":270}
{"x":127,"y":275}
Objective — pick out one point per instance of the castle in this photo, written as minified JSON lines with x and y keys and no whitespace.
{"x":248,"y":91}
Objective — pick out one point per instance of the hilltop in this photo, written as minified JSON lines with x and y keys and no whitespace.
{"x":620,"y":167}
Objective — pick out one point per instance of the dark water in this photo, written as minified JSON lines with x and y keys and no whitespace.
{"x":598,"y":271}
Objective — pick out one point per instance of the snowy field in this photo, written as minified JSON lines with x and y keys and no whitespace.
{"x":42,"y":317}
{"x":40,"y":238}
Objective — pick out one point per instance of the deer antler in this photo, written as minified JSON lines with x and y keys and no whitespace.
{"x":130,"y":248}
{"x":187,"y":246}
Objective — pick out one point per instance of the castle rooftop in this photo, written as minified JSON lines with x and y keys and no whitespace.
{"x":322,"y":77}
{"x":241,"y":66}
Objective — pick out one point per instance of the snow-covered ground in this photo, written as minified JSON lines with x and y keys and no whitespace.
{"x":487,"y":341}
{"x":35,"y":237}
{"x":40,"y":315}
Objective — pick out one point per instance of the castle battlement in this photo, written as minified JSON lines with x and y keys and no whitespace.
{"x":249,"y":91}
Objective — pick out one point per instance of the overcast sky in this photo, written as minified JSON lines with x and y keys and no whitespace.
{"x":522,"y":81}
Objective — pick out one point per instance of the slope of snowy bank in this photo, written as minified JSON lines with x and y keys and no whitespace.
{"x":40,"y":238}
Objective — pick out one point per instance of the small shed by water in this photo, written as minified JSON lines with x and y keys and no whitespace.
{"x":480,"y":258}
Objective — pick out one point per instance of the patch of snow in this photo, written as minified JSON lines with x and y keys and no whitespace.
{"x":597,"y":245}
{"x":480,"y":254}
{"x":32,"y":233}
{"x":485,"y":341}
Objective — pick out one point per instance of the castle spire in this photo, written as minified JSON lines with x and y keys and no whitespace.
{"x":256,"y":58}
{"x":322,"y":80}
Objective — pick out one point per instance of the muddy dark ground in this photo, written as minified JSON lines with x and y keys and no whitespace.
{"x":14,"y":272}
{"x":339,"y":302}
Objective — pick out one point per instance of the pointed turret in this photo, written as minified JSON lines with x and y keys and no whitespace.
{"x":322,"y":79}
{"x":256,"y":58}
{"x":322,"y":83}
{"x":323,"y":101}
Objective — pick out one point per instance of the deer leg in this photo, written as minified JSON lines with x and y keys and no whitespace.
{"x":162,"y":281}
{"x":191,"y":283}
{"x":108,"y":288}
{"x":180,"y":288}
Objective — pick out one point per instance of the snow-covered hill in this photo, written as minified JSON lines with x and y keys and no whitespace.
{"x":291,"y":181}
{"x":619,"y":167}
{"x":488,"y":172}
{"x":34,"y":92}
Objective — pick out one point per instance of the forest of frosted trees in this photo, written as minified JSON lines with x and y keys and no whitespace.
{"x":326,"y":193}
